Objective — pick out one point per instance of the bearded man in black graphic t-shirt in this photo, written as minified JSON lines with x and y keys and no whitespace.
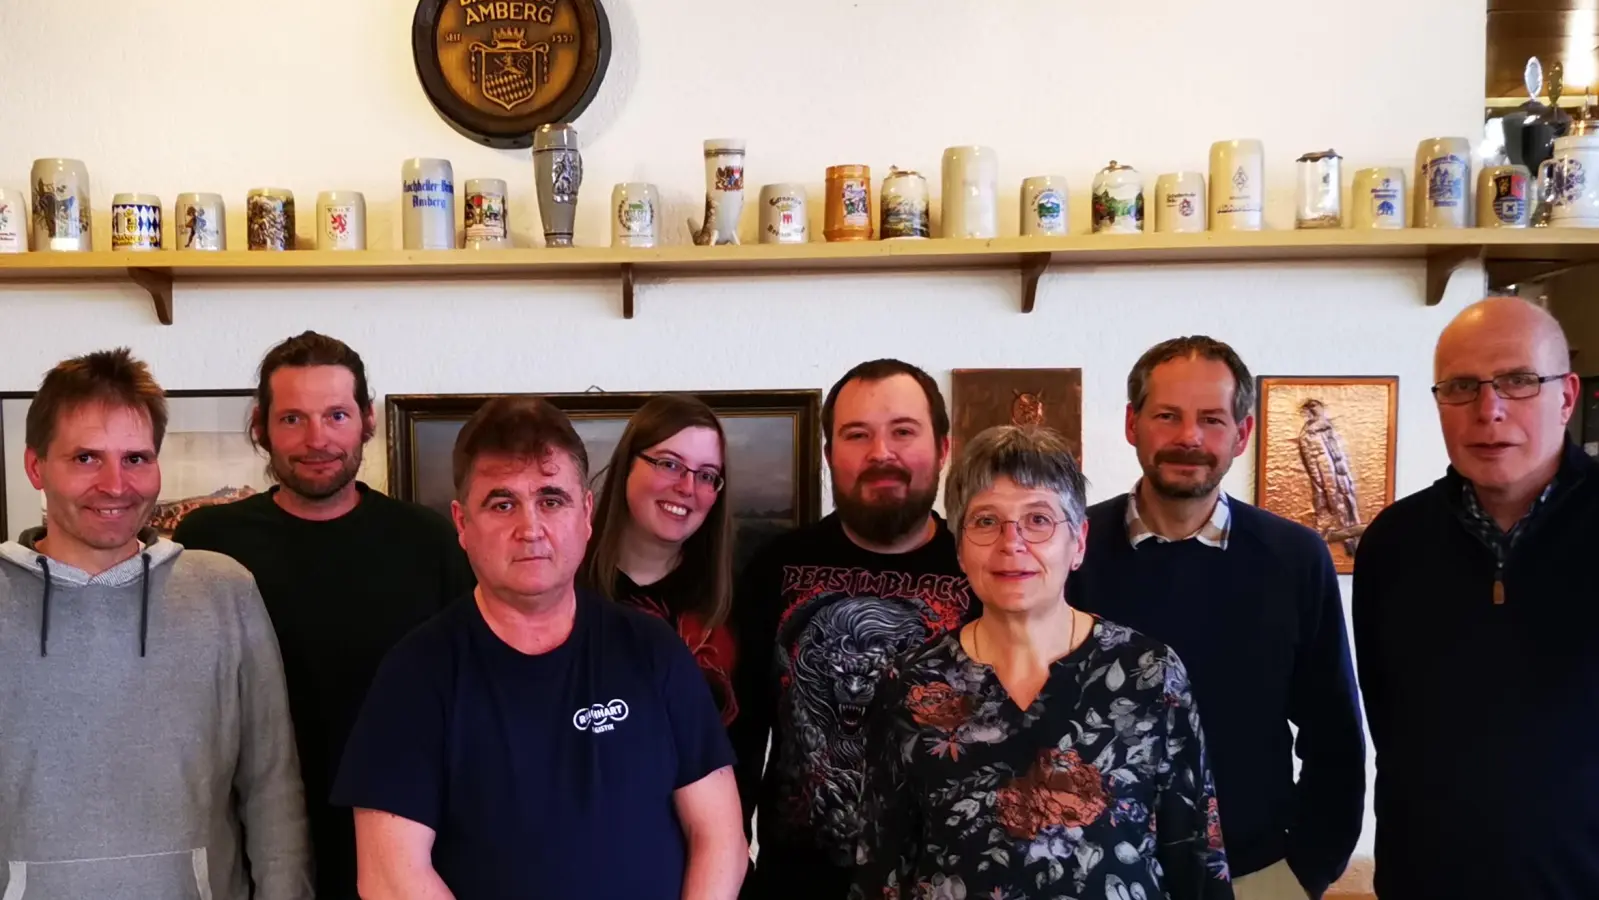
{"x":820,"y":612}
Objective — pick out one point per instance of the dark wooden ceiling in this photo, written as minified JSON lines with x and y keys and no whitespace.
{"x":1546,"y":29}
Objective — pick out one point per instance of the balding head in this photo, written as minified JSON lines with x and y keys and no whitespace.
{"x":1505,"y":320}
{"x":1505,"y":444}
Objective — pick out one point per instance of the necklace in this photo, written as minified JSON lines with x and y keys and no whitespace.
{"x":1071,"y":637}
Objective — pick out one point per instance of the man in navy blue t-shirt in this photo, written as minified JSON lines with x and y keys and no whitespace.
{"x":538,"y":741}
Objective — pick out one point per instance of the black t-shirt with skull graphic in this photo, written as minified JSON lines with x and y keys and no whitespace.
{"x":817,"y":618}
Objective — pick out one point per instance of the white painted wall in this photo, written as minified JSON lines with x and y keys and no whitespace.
{"x":166,"y":96}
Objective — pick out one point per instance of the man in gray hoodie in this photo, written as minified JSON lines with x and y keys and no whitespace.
{"x":145,"y":743}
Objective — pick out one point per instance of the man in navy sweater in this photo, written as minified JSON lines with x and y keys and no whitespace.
{"x":1250,"y":602}
{"x":1476,"y":620}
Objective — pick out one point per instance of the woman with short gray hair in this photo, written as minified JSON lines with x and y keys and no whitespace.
{"x":1037,"y":751}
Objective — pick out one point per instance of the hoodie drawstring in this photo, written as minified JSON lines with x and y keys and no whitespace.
{"x":44,"y":621}
{"x":144,"y":606}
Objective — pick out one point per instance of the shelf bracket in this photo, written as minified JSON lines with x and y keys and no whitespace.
{"x":627,"y":290}
{"x":1033,"y":266}
{"x":1442,"y":265}
{"x":159,"y":283}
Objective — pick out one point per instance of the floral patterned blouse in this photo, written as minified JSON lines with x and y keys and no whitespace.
{"x":1100,"y":788}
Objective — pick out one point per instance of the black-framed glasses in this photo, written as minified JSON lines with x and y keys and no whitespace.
{"x":1509,"y":386}
{"x":1035,"y":528}
{"x":671,"y":470}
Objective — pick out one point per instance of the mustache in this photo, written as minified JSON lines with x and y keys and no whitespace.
{"x":1186,"y":457}
{"x":894,"y":472}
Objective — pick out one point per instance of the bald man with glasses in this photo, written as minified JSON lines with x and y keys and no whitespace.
{"x":1476,"y":621}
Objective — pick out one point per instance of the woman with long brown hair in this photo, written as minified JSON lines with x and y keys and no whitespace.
{"x":663,"y":533}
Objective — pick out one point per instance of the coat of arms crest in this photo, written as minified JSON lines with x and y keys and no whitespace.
{"x":510,"y":71}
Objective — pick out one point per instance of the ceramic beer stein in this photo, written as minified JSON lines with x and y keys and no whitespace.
{"x":971,"y":193}
{"x":1320,"y":196}
{"x":135,"y":222}
{"x":427,"y":204}
{"x":1045,"y":206}
{"x":783,"y":214}
{"x":485,"y":225}
{"x":904,"y":206}
{"x":635,"y":215}
{"x":200,"y":221}
{"x":340,"y":220}
{"x":849,"y":204}
{"x":1503,"y":197}
{"x":61,"y":220}
{"x":1574,"y":181}
{"x":270,"y":217}
{"x":1443,"y":183}
{"x":1118,"y":200}
{"x":1377,"y":198}
{"x":558,"y":176}
{"x":1180,"y":202}
{"x":724,"y":192}
{"x":1237,"y":185}
{"x":13,"y":221}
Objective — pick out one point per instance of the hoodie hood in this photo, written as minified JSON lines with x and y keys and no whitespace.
{"x":155,"y":552}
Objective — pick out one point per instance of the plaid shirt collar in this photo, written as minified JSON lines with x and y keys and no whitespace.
{"x":1487,"y":530}
{"x":1214,"y":533}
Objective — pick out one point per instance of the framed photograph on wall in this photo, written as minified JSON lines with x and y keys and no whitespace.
{"x":773,"y":450}
{"x":1325,"y":455}
{"x":206,"y":459}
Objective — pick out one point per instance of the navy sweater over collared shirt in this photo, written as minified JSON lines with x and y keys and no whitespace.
{"x":1484,"y":715}
{"x":1260,"y":626}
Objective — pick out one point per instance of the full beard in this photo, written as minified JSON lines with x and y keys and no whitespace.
{"x":316,"y":488}
{"x":885,"y":522}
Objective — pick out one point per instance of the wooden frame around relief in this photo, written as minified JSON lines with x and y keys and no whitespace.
{"x":773,"y":488}
{"x":221,"y":462}
{"x":1296,"y":468}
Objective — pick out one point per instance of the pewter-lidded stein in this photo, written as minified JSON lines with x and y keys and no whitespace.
{"x":557,"y":174}
{"x":1320,"y":193}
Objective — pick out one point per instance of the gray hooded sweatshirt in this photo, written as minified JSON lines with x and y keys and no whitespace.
{"x":145,"y":743}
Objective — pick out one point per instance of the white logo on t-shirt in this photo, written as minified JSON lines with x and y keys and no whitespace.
{"x":600,"y":717}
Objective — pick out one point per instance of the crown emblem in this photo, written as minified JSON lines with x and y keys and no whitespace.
{"x":510,"y":37}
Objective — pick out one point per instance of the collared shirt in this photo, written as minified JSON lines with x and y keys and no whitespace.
{"x":1488,"y":531}
{"x":1214,"y":533}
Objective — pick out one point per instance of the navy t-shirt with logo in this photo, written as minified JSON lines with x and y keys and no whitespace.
{"x":547,"y":775}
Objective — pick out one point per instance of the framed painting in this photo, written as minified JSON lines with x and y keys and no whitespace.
{"x":1325,"y":455}
{"x":206,"y":459}
{"x":983,"y":398}
{"x":773,"y":450}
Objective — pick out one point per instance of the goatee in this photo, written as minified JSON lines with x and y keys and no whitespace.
{"x":885,"y":522}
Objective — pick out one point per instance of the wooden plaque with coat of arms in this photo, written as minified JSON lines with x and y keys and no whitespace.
{"x":498,"y":69}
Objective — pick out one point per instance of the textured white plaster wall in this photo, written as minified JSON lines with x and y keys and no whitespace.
{"x":165,"y":96}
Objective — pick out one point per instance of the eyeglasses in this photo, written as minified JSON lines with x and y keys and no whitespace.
{"x":670,"y":470}
{"x":1509,"y":386}
{"x":1035,"y":528}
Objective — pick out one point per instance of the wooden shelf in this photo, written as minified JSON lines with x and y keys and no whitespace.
{"x":1510,"y":256}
